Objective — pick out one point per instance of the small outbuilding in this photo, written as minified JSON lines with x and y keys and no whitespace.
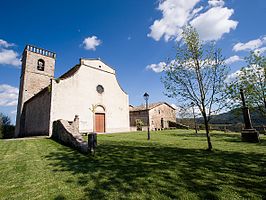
{"x":160,"y":115}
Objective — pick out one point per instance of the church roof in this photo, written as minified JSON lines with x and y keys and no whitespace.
{"x":151,"y":106}
{"x":70,"y":72}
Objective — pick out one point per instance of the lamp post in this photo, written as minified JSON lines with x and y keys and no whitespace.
{"x":195,"y":123}
{"x":146,"y":97}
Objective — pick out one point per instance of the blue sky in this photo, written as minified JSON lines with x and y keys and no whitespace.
{"x":135,"y":37}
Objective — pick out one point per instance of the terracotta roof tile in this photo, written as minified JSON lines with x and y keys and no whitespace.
{"x":151,"y":106}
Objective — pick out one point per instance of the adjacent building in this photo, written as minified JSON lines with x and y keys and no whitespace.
{"x":89,"y":90}
{"x":160,"y":115}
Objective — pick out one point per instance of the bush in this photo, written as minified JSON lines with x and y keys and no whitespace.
{"x":139,"y":124}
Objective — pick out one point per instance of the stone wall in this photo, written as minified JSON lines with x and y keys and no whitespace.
{"x":36,"y":114}
{"x":67,"y":133}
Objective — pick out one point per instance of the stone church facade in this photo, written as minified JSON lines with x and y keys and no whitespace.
{"x":89,"y":90}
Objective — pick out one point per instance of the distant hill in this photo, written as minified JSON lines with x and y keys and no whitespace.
{"x":235,"y":116}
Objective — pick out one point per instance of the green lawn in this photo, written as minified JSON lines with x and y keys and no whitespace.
{"x":173,"y":165}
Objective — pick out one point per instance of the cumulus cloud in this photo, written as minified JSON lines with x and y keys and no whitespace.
{"x":178,"y":13}
{"x":9,"y":57}
{"x":250,"y":45}
{"x":156,"y":67}
{"x":5,"y":44}
{"x":233,"y":59}
{"x":90,"y":43}
{"x":8,"y":95}
{"x":216,"y":3}
{"x":215,"y":22}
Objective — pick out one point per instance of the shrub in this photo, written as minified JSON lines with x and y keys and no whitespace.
{"x":139,"y":124}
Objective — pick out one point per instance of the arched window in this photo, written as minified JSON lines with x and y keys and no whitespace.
{"x":40,"y":65}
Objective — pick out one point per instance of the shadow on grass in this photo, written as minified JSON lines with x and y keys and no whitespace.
{"x":227,"y":137}
{"x":126,"y":171}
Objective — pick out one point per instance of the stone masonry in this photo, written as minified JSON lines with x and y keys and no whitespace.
{"x":33,"y":80}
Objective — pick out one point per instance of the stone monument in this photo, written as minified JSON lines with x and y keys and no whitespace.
{"x":248,"y":134}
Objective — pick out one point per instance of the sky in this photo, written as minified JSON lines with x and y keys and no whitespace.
{"x":135,"y":37}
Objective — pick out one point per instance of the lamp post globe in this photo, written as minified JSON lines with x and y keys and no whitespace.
{"x":146,"y":96}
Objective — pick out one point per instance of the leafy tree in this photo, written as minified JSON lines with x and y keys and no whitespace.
{"x":6,"y":129}
{"x":252,"y":79}
{"x":197,"y":76}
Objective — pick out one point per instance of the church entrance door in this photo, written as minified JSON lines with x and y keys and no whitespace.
{"x":100,"y":122}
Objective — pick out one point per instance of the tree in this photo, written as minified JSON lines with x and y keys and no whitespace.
{"x":197,"y":75}
{"x":6,"y":129}
{"x":252,"y":79}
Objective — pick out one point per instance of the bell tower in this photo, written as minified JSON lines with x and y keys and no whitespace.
{"x":36,"y":73}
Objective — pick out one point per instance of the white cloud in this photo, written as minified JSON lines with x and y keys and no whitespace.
{"x":216,"y":3}
{"x":250,"y":45}
{"x":233,"y":59}
{"x":215,"y":22}
{"x":90,"y":43}
{"x":9,"y":57}
{"x":156,"y":67}
{"x":5,"y":44}
{"x":8,"y":95}
{"x":178,"y":13}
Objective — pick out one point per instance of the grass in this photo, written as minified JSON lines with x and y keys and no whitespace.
{"x":173,"y":165}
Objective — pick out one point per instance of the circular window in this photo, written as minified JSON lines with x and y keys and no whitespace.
{"x":100,"y":89}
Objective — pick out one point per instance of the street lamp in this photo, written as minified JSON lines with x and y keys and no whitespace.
{"x":146,"y":97}
{"x":195,"y":123}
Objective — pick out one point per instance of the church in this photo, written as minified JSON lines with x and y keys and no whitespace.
{"x":89,"y":90}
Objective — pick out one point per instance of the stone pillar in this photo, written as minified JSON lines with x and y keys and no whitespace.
{"x":76,"y":124}
{"x":248,"y":134}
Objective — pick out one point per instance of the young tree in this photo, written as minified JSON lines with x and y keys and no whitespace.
{"x":252,"y":79}
{"x":197,"y":76}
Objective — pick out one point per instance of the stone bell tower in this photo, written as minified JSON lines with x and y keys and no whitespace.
{"x":36,"y":73}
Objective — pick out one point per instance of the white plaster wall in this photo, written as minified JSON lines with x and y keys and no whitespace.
{"x":77,"y":94}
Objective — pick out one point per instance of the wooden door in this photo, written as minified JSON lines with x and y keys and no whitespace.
{"x":100,"y":122}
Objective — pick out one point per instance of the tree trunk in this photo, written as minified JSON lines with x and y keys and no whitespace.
{"x":206,"y":123}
